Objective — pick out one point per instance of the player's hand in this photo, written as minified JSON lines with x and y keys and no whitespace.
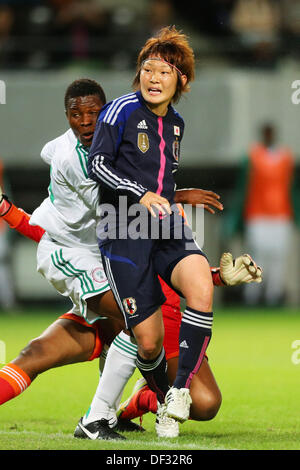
{"x":195,"y":196}
{"x":152,"y":200}
{"x":241,"y":270}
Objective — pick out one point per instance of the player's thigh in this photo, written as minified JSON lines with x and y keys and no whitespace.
{"x":106,"y":306}
{"x":192,"y":277}
{"x":63,"y":342}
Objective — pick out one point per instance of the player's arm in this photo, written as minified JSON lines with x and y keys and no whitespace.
{"x":101,"y":162}
{"x":194,"y":196}
{"x":18,"y":219}
{"x":233,"y":272}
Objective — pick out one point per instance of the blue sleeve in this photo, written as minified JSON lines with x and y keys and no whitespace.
{"x":101,"y":162}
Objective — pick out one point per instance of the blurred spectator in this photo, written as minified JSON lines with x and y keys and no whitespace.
{"x":38,"y":34}
{"x":160,"y":13}
{"x":6,"y":25}
{"x":291,"y":26}
{"x":80,"y":28}
{"x":265,"y":204}
{"x":127,"y":28}
{"x":7,"y":294}
{"x":257,"y":23}
{"x":211,"y":18}
{"x":23,"y":24}
{"x":291,"y":16}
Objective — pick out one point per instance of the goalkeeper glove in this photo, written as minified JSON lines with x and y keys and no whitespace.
{"x":240,"y":270}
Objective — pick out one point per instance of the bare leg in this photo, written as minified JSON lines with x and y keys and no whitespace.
{"x":63,"y":342}
{"x":105,"y":304}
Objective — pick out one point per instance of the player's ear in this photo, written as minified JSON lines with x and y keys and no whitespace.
{"x":183,"y":80}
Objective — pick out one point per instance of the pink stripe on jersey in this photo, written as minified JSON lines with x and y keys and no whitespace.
{"x":199,"y":362}
{"x":162,"y":157}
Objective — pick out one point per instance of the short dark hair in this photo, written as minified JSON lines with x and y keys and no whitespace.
{"x":84,"y":87}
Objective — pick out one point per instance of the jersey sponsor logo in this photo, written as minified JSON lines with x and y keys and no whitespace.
{"x":98,"y":275}
{"x":130,"y":305}
{"x":143,"y":142}
{"x":176,"y":130}
{"x":176,"y":149}
{"x":142,"y":125}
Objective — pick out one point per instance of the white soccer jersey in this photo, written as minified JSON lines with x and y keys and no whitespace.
{"x":69,"y":214}
{"x":68,"y":255}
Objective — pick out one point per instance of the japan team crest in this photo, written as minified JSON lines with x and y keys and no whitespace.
{"x":130,"y":305}
{"x":143,"y":142}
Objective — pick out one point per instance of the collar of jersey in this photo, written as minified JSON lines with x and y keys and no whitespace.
{"x":82,"y":147}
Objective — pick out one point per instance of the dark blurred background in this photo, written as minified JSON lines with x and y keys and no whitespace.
{"x":247,"y":55}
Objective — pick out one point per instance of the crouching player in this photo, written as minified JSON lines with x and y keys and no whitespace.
{"x":34,"y":360}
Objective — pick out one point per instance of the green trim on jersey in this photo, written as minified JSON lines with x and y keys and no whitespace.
{"x":125,"y":346}
{"x":69,"y":270}
{"x":82,"y":153}
{"x":50,"y":191}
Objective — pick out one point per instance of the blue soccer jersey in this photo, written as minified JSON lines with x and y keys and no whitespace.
{"x":134,"y":150}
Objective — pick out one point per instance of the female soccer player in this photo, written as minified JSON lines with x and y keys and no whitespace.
{"x":71,"y":338}
{"x":135,"y":153}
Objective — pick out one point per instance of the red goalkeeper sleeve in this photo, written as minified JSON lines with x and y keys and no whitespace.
{"x":19,"y":220}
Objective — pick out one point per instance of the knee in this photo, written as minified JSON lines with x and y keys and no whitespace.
{"x":34,"y":348}
{"x":150,"y":349}
{"x":206,"y":407}
{"x":201,"y":297}
{"x":31,"y":358}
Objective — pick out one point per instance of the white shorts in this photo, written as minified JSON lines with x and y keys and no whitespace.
{"x":76,"y":273}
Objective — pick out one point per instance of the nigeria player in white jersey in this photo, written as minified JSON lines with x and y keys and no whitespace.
{"x":69,"y":259}
{"x":72,"y":339}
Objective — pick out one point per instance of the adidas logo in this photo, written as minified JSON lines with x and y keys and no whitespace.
{"x":184,"y":344}
{"x":142,"y":125}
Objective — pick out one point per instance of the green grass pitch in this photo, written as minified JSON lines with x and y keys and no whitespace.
{"x":250,"y":354}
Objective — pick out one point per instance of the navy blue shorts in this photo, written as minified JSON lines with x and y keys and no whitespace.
{"x":132,"y":268}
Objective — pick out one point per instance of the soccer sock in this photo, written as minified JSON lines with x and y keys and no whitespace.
{"x":142,"y":402}
{"x":13,"y":381}
{"x":147,"y":401}
{"x":119,"y":367}
{"x":154,"y":371}
{"x":194,"y":337}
